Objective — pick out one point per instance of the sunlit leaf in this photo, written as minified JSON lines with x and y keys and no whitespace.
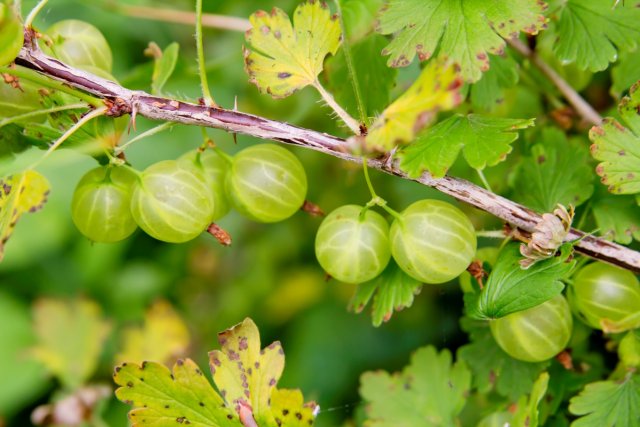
{"x":527,"y":413}
{"x":465,"y":31}
{"x":163,"y":337}
{"x":437,"y":89}
{"x":71,"y":335}
{"x":281,"y":57}
{"x":484,"y":141}
{"x":618,"y":147}
{"x":21,"y":193}
{"x":591,"y":32}
{"x":429,"y":392}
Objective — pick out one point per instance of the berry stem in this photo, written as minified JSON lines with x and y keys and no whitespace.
{"x":375,"y":199}
{"x":28,"y":22}
{"x":206,"y":93}
{"x":145,"y":134}
{"x":485,"y":183}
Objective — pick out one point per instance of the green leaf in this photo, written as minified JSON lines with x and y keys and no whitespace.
{"x":244,"y":375}
{"x":608,"y":404}
{"x":431,"y":391}
{"x":283,"y":58}
{"x":527,"y":412}
{"x":375,"y":79}
{"x":618,"y":147}
{"x":163,"y":67}
{"x":556,"y":171}
{"x":167,"y":398}
{"x":436,"y":89}
{"x":484,"y":141}
{"x":71,"y":334}
{"x":625,"y":72}
{"x":510,"y":288}
{"x":359,"y":17}
{"x":11,"y":34}
{"x":629,"y":350}
{"x":492,"y":368}
{"x":464,"y":31}
{"x":617,"y":218}
{"x":590,"y":33}
{"x":21,"y":193}
{"x":394,"y":290}
{"x":488,"y":92}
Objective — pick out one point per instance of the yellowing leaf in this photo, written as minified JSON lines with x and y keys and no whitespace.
{"x":281,"y":57}
{"x":70,"y":338}
{"x":20,"y":193}
{"x":290,"y":410}
{"x":437,"y":88}
{"x":163,"y":337}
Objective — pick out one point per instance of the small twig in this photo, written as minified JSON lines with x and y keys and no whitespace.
{"x":577,"y":102}
{"x":158,"y":108}
{"x":186,"y":18}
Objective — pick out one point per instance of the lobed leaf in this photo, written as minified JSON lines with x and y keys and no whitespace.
{"x":465,"y":31}
{"x":70,"y":337}
{"x":618,"y":147}
{"x":394,"y":290}
{"x":436,"y":89}
{"x":608,"y":404}
{"x":557,"y":171}
{"x":430,"y":391}
{"x":591,"y":33}
{"x":510,"y":288}
{"x":484,"y":141}
{"x":24,"y":192}
{"x":163,"y":337}
{"x":617,"y":218}
{"x":283,"y":58}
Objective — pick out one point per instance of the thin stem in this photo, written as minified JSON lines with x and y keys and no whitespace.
{"x":34,"y":12}
{"x":484,"y":180}
{"x":346,"y":48}
{"x":187,"y":18}
{"x":344,"y":116}
{"x":32,"y":76}
{"x":491,"y":234}
{"x":30,"y":114}
{"x":375,"y":199}
{"x":73,"y":129}
{"x":365,"y":168}
{"x":577,"y":102}
{"x":143,"y":135}
{"x":208,"y":99}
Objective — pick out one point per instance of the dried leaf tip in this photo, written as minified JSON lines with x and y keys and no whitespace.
{"x":549,"y":234}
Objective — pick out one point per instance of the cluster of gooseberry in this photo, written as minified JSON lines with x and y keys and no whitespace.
{"x":431,"y":240}
{"x":176,"y":200}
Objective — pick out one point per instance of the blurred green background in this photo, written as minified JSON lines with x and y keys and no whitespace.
{"x":269,"y":273}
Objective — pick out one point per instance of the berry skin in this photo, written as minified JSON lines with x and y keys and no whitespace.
{"x":601,"y":292}
{"x":215,"y":167}
{"x":433,"y":242}
{"x":350,"y":248}
{"x":535,"y":334}
{"x":172,"y":202}
{"x":101,"y":204}
{"x":266,"y":183}
{"x":78,"y":44}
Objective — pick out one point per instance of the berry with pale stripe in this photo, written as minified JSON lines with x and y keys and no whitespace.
{"x":172,"y":202}
{"x":351,"y":247}
{"x":101,"y":204}
{"x":433,"y":241}
{"x":215,"y":168}
{"x":601,"y":292}
{"x":266,"y":183}
{"x":535,"y":334}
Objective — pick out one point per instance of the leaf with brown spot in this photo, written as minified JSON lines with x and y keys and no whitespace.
{"x":24,"y":192}
{"x":618,"y":147}
{"x":283,"y":58}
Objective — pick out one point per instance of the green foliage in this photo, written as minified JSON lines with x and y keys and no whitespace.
{"x":393,"y":290}
{"x":484,"y":141}
{"x":617,"y":147}
{"x":435,"y":27}
{"x":608,"y":404}
{"x":488,"y":92}
{"x":244,"y":374}
{"x":591,"y":33}
{"x":511,"y":289}
{"x":164,"y":62}
{"x":556,"y":171}
{"x":618,"y":218}
{"x":11,"y":33}
{"x":527,"y":414}
{"x":430,"y":391}
{"x":283,"y":58}
{"x":625,"y":72}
